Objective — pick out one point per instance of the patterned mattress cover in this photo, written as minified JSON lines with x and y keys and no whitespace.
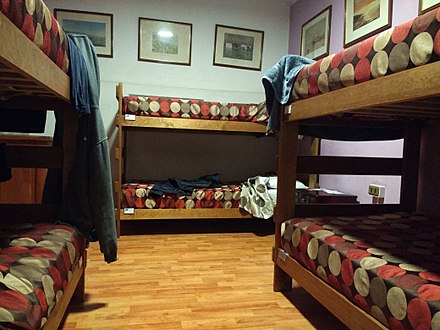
{"x":137,"y":195}
{"x":405,"y":46}
{"x":195,"y":109}
{"x":36,"y":262}
{"x":36,"y":21}
{"x":388,"y":265}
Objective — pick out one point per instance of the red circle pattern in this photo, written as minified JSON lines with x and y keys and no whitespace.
{"x":137,"y":195}
{"x":361,"y":57}
{"x":195,"y":109}
{"x":54,"y":43}
{"x":410,"y":274}
{"x":26,"y":306}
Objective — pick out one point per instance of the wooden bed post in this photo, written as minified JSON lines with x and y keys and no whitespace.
{"x":119,"y":158}
{"x":285,"y":208}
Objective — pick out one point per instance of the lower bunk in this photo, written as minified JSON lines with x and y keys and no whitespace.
{"x":42,"y":266}
{"x":372,"y":272}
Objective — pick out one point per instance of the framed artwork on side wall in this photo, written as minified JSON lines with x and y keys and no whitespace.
{"x":315,"y":35}
{"x":238,"y":47}
{"x":364,"y":18}
{"x":97,"y":26}
{"x":426,"y":5}
{"x":164,"y":41}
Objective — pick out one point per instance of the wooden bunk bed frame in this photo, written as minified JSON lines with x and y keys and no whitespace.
{"x":405,"y":99}
{"x":30,"y":80}
{"x":175,"y":124}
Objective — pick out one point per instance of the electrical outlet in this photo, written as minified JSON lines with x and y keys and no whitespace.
{"x":376,"y":190}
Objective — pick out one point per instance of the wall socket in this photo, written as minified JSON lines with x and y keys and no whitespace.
{"x":376,"y":190}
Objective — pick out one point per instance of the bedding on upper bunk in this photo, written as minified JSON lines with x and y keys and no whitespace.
{"x":138,"y":195}
{"x":193,"y":108}
{"x":36,"y":264}
{"x":411,"y":44}
{"x":388,"y":265}
{"x":36,"y":21}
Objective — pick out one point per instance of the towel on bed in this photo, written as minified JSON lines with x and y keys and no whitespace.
{"x":278,"y":82}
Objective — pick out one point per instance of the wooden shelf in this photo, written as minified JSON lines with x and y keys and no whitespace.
{"x":192,"y":124}
{"x":155,"y":214}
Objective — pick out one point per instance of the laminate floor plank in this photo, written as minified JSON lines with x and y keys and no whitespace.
{"x":211,"y":279}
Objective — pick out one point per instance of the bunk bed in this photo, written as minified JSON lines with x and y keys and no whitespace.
{"x":351,"y":257}
{"x":134,"y":202}
{"x":42,"y":263}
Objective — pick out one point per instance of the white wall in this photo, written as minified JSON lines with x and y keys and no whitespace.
{"x":201,"y":79}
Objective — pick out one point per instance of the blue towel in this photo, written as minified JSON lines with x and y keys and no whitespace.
{"x":278,"y":82}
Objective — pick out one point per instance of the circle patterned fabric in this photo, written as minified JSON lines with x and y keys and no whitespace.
{"x":388,"y":265}
{"x":36,"y":21}
{"x":195,"y":109}
{"x":137,"y":195}
{"x":36,"y":264}
{"x":414,"y":43}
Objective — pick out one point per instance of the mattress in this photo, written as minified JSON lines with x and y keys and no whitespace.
{"x":137,"y":195}
{"x":388,"y":265}
{"x":36,"y":21}
{"x":36,"y":263}
{"x":195,"y":109}
{"x":414,"y":43}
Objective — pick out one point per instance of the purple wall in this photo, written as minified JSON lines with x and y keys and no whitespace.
{"x":403,"y":10}
{"x":303,"y":10}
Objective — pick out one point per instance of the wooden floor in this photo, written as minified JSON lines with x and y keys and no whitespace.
{"x":218,"y":276}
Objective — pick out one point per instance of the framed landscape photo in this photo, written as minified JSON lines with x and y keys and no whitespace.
{"x":164,"y":41}
{"x":97,"y":26}
{"x":426,"y":5}
{"x":238,"y":48}
{"x":315,"y":35}
{"x":364,"y":18}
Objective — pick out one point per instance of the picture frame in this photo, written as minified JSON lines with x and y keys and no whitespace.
{"x":315,"y":35}
{"x":365,"y":18}
{"x":163,"y":41}
{"x":239,"y":48}
{"x":97,"y":26}
{"x":427,"y":5}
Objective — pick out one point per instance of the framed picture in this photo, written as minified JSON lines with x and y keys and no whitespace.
{"x":164,"y":41}
{"x":238,"y":48}
{"x":426,"y":5}
{"x":364,"y":18}
{"x":315,"y":35}
{"x":97,"y":26}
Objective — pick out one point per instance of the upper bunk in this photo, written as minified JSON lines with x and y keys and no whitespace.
{"x":392,"y":75}
{"x":131,"y":114}
{"x":33,"y":78}
{"x":33,"y":54}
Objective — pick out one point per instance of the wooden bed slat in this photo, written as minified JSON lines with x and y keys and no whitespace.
{"x":349,"y":165}
{"x":193,"y":124}
{"x":155,"y":214}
